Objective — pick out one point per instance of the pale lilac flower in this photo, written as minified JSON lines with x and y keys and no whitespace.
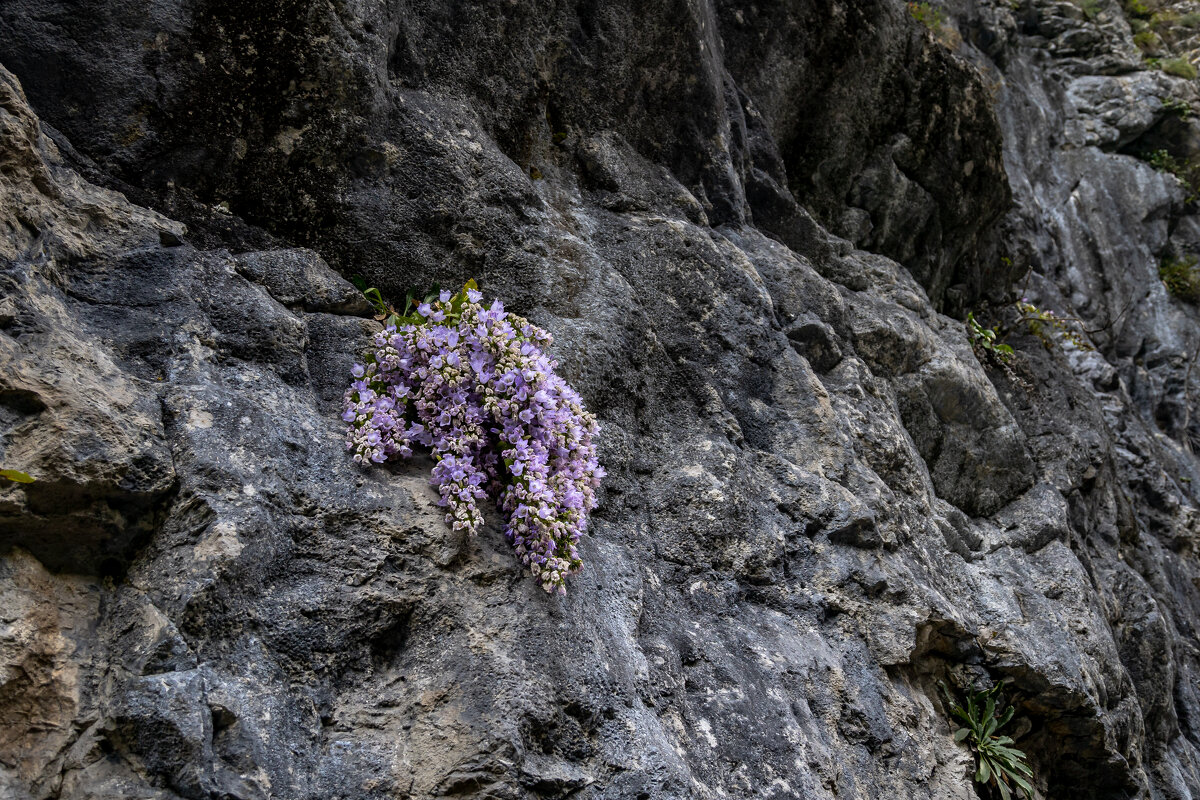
{"x":476,"y":387}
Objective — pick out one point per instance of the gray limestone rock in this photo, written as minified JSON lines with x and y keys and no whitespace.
{"x":742,"y":223}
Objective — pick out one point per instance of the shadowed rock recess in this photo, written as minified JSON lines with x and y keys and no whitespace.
{"x":753,"y":229}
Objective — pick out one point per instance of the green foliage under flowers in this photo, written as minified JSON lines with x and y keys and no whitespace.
{"x":985,"y":340}
{"x":407,"y":315}
{"x":15,"y":476}
{"x":998,"y":763}
{"x":1181,"y":277}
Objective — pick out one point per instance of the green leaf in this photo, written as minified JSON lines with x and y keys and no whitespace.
{"x":16,"y":476}
{"x":358,"y":282}
{"x":961,"y":734}
{"x":1010,"y":752}
{"x":1026,"y":786}
{"x":985,"y":770}
{"x":1008,"y":714}
{"x":470,"y":284}
{"x":1020,"y":764}
{"x":1005,"y":794}
{"x":376,"y":300}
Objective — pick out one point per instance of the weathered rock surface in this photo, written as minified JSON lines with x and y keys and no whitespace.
{"x":819,"y":501}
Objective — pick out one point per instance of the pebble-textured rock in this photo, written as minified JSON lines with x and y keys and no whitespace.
{"x":753,"y":229}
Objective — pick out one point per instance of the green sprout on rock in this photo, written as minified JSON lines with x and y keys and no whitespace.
{"x":935,"y":20}
{"x":928,"y":15}
{"x":1148,"y":42}
{"x":1179,"y":67}
{"x":984,"y":340}
{"x":15,"y":476}
{"x":409,"y":313}
{"x":1137,"y":8}
{"x":1186,"y":171}
{"x":1181,"y":277}
{"x":998,"y":763}
{"x":1179,"y":108}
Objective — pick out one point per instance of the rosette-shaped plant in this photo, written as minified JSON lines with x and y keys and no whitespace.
{"x":475,"y":387}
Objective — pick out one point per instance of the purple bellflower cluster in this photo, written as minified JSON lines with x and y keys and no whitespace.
{"x":475,"y":387}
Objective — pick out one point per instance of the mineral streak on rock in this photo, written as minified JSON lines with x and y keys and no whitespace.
{"x":753,"y":230}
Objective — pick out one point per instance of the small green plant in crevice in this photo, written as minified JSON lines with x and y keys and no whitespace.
{"x":934,"y":18}
{"x":928,"y":15}
{"x":1186,"y":171}
{"x":985,"y":342}
{"x":1137,"y":8}
{"x":1181,"y":277}
{"x":1090,"y":8}
{"x":1179,"y":67}
{"x":988,"y":348}
{"x":998,"y":763}
{"x":1164,"y":22}
{"x":407,"y":315}
{"x":1162,"y":161}
{"x":16,"y":476}
{"x":1046,"y":325}
{"x":1148,"y":42}
{"x":1179,"y":108}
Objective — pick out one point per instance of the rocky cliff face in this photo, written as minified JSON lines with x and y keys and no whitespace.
{"x":743,"y":223}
